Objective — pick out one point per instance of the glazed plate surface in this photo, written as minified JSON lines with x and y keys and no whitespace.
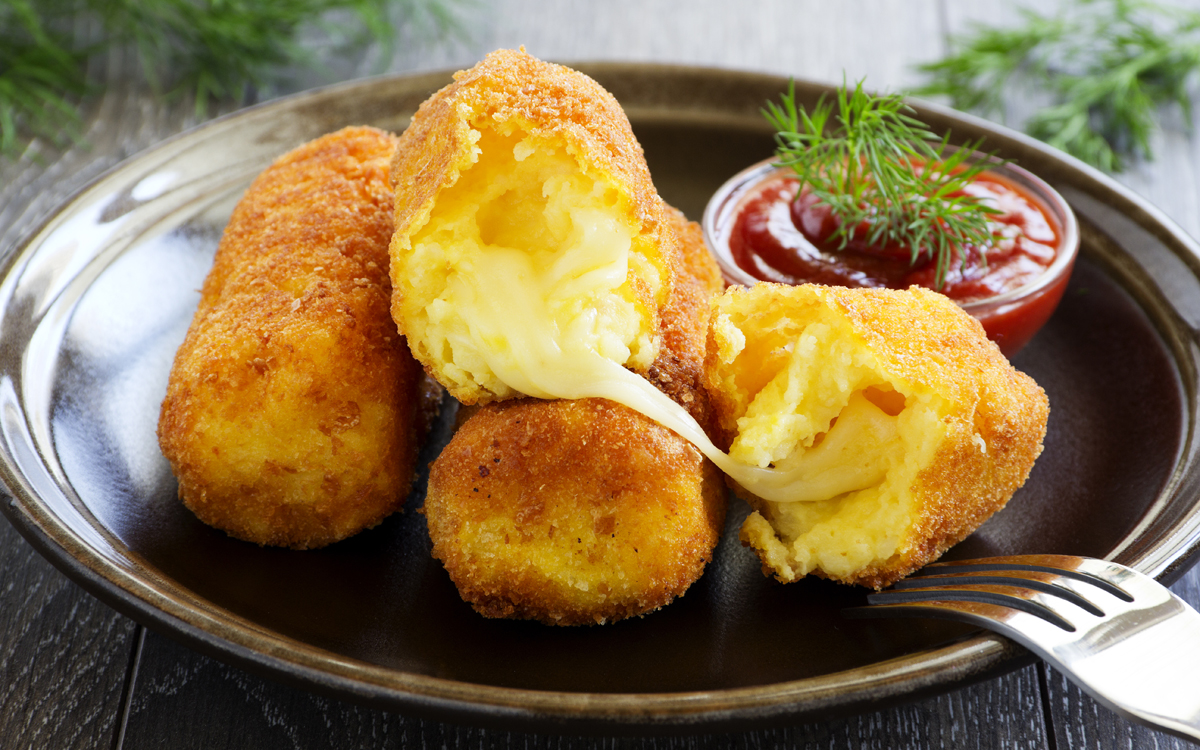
{"x":93,"y":307}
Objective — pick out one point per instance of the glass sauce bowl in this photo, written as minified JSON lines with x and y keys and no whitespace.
{"x":1010,"y":318}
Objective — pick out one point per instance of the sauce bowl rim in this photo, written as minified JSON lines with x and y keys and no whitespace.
{"x":721,"y":212}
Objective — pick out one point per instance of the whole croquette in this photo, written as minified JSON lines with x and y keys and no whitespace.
{"x":293,"y":408}
{"x":571,"y":511}
{"x":901,"y":425}
{"x":523,"y":204}
{"x":584,"y":511}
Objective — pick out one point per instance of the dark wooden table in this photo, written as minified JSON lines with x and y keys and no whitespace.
{"x":74,"y":673}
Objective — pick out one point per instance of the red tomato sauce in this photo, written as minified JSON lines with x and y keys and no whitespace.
{"x":778,"y":238}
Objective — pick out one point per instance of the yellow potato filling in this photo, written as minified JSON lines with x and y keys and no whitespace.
{"x":526,"y":261}
{"x":810,"y":401}
{"x":529,"y":259}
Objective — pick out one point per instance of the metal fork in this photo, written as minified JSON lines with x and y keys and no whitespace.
{"x":1118,"y":634}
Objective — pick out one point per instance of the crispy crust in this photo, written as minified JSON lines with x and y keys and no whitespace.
{"x":584,"y":512}
{"x":293,"y":408}
{"x":511,"y":88}
{"x":678,"y":371}
{"x":921,"y":338}
{"x":571,"y":512}
{"x":963,"y":486}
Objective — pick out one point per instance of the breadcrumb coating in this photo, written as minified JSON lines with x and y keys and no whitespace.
{"x":522,"y":159}
{"x":293,"y":408}
{"x":908,"y":425}
{"x":584,"y":512}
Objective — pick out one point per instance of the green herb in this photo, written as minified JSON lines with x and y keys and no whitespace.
{"x":214,"y":49}
{"x":39,"y":71}
{"x":1109,"y":67}
{"x":880,"y":169}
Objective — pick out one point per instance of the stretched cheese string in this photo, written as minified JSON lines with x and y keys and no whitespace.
{"x":536,"y":349}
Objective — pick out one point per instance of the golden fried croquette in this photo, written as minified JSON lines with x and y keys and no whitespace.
{"x":679,"y":369}
{"x":903,"y":425}
{"x":571,"y":512}
{"x":584,"y":511}
{"x":292,"y":411}
{"x":525,"y":217}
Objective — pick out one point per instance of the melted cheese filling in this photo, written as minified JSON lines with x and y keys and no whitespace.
{"x":535,"y":257}
{"x":537,"y":302}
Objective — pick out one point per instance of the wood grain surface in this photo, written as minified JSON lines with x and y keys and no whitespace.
{"x":75,"y":674}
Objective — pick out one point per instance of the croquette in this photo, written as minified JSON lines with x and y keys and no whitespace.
{"x":584,"y":511}
{"x":902,"y":427}
{"x":293,"y":408}
{"x":524,"y":207}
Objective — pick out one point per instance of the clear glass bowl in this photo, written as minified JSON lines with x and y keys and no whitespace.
{"x":1010,"y":319}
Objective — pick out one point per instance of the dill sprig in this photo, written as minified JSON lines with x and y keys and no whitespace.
{"x":1109,"y":67}
{"x":214,"y":49}
{"x":39,"y":72}
{"x":884,"y":175}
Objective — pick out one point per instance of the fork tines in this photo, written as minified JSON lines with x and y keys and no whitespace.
{"x":982,"y":591}
{"x":1004,"y":584}
{"x":1119,"y":634}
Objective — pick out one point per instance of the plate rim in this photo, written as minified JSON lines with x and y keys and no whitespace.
{"x":976,"y":657}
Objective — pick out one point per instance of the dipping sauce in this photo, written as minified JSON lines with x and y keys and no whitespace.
{"x":760,"y":232}
{"x":778,"y":238}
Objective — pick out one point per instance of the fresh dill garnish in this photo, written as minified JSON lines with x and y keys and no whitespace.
{"x":1109,"y":67}
{"x":213,"y":49}
{"x":39,"y":73}
{"x":884,"y":175}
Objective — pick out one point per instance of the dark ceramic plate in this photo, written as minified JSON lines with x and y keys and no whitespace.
{"x":93,"y":307}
